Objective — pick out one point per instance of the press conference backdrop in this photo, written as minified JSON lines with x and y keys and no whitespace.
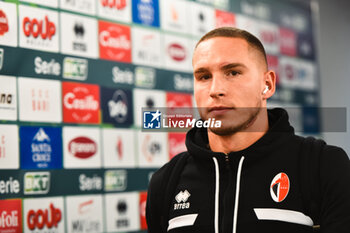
{"x":74,"y":76}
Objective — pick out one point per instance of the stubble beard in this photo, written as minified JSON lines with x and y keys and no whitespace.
{"x":230,"y":128}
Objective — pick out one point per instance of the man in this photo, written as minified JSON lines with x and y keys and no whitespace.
{"x":253,"y":174}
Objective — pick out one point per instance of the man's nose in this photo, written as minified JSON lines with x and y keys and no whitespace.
{"x":218,"y":87}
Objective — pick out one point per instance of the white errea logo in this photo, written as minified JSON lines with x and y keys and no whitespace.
{"x":181,"y":199}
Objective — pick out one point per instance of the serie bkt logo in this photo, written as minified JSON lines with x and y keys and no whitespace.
{"x":115,"y":180}
{"x":75,"y":68}
{"x":36,"y":182}
{"x":152,"y":120}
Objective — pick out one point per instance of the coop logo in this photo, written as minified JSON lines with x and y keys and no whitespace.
{"x":10,"y":216}
{"x":38,"y":28}
{"x":48,"y":218}
{"x":75,"y":68}
{"x":115,"y":180}
{"x":4,"y":26}
{"x":177,"y":52}
{"x":36,"y":182}
{"x":115,"y":42}
{"x":81,"y":103}
{"x":44,"y":28}
{"x":279,"y":187}
{"x":82,"y":147}
{"x":152,"y":119}
{"x":117,"y":4}
{"x":122,"y":76}
{"x":118,"y":106}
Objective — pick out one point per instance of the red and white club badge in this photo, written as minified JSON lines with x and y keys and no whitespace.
{"x":279,"y":187}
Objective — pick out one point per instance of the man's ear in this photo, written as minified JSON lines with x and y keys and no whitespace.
{"x":270,"y":84}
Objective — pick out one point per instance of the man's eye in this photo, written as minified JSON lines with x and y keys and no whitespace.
{"x":204,"y":77}
{"x":233,"y":73}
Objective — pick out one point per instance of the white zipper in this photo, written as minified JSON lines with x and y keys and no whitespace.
{"x":217,"y":186}
{"x":238,"y":184}
{"x":217,"y":178}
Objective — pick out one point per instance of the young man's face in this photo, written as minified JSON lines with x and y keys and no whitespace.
{"x":229,"y":78}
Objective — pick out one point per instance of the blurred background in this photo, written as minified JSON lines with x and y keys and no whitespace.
{"x":74,"y":75}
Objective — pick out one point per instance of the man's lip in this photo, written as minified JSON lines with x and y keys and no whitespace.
{"x":219,"y":108}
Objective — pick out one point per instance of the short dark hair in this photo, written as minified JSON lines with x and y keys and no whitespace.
{"x":232,"y":32}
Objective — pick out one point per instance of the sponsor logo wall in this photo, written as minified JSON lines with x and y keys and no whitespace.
{"x":74,"y":77}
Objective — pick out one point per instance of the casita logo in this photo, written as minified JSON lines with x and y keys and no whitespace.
{"x":177,"y":52}
{"x":115,"y":42}
{"x":82,"y":147}
{"x":41,"y":218}
{"x":81,"y":103}
{"x":43,"y":28}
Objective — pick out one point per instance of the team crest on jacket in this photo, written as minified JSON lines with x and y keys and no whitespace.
{"x":279,"y":187}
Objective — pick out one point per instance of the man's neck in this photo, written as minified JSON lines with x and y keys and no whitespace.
{"x":242,"y":139}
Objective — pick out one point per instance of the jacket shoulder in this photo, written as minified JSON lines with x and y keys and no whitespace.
{"x":164,"y":172}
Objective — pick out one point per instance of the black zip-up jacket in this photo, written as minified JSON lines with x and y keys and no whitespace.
{"x":258,"y":189}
